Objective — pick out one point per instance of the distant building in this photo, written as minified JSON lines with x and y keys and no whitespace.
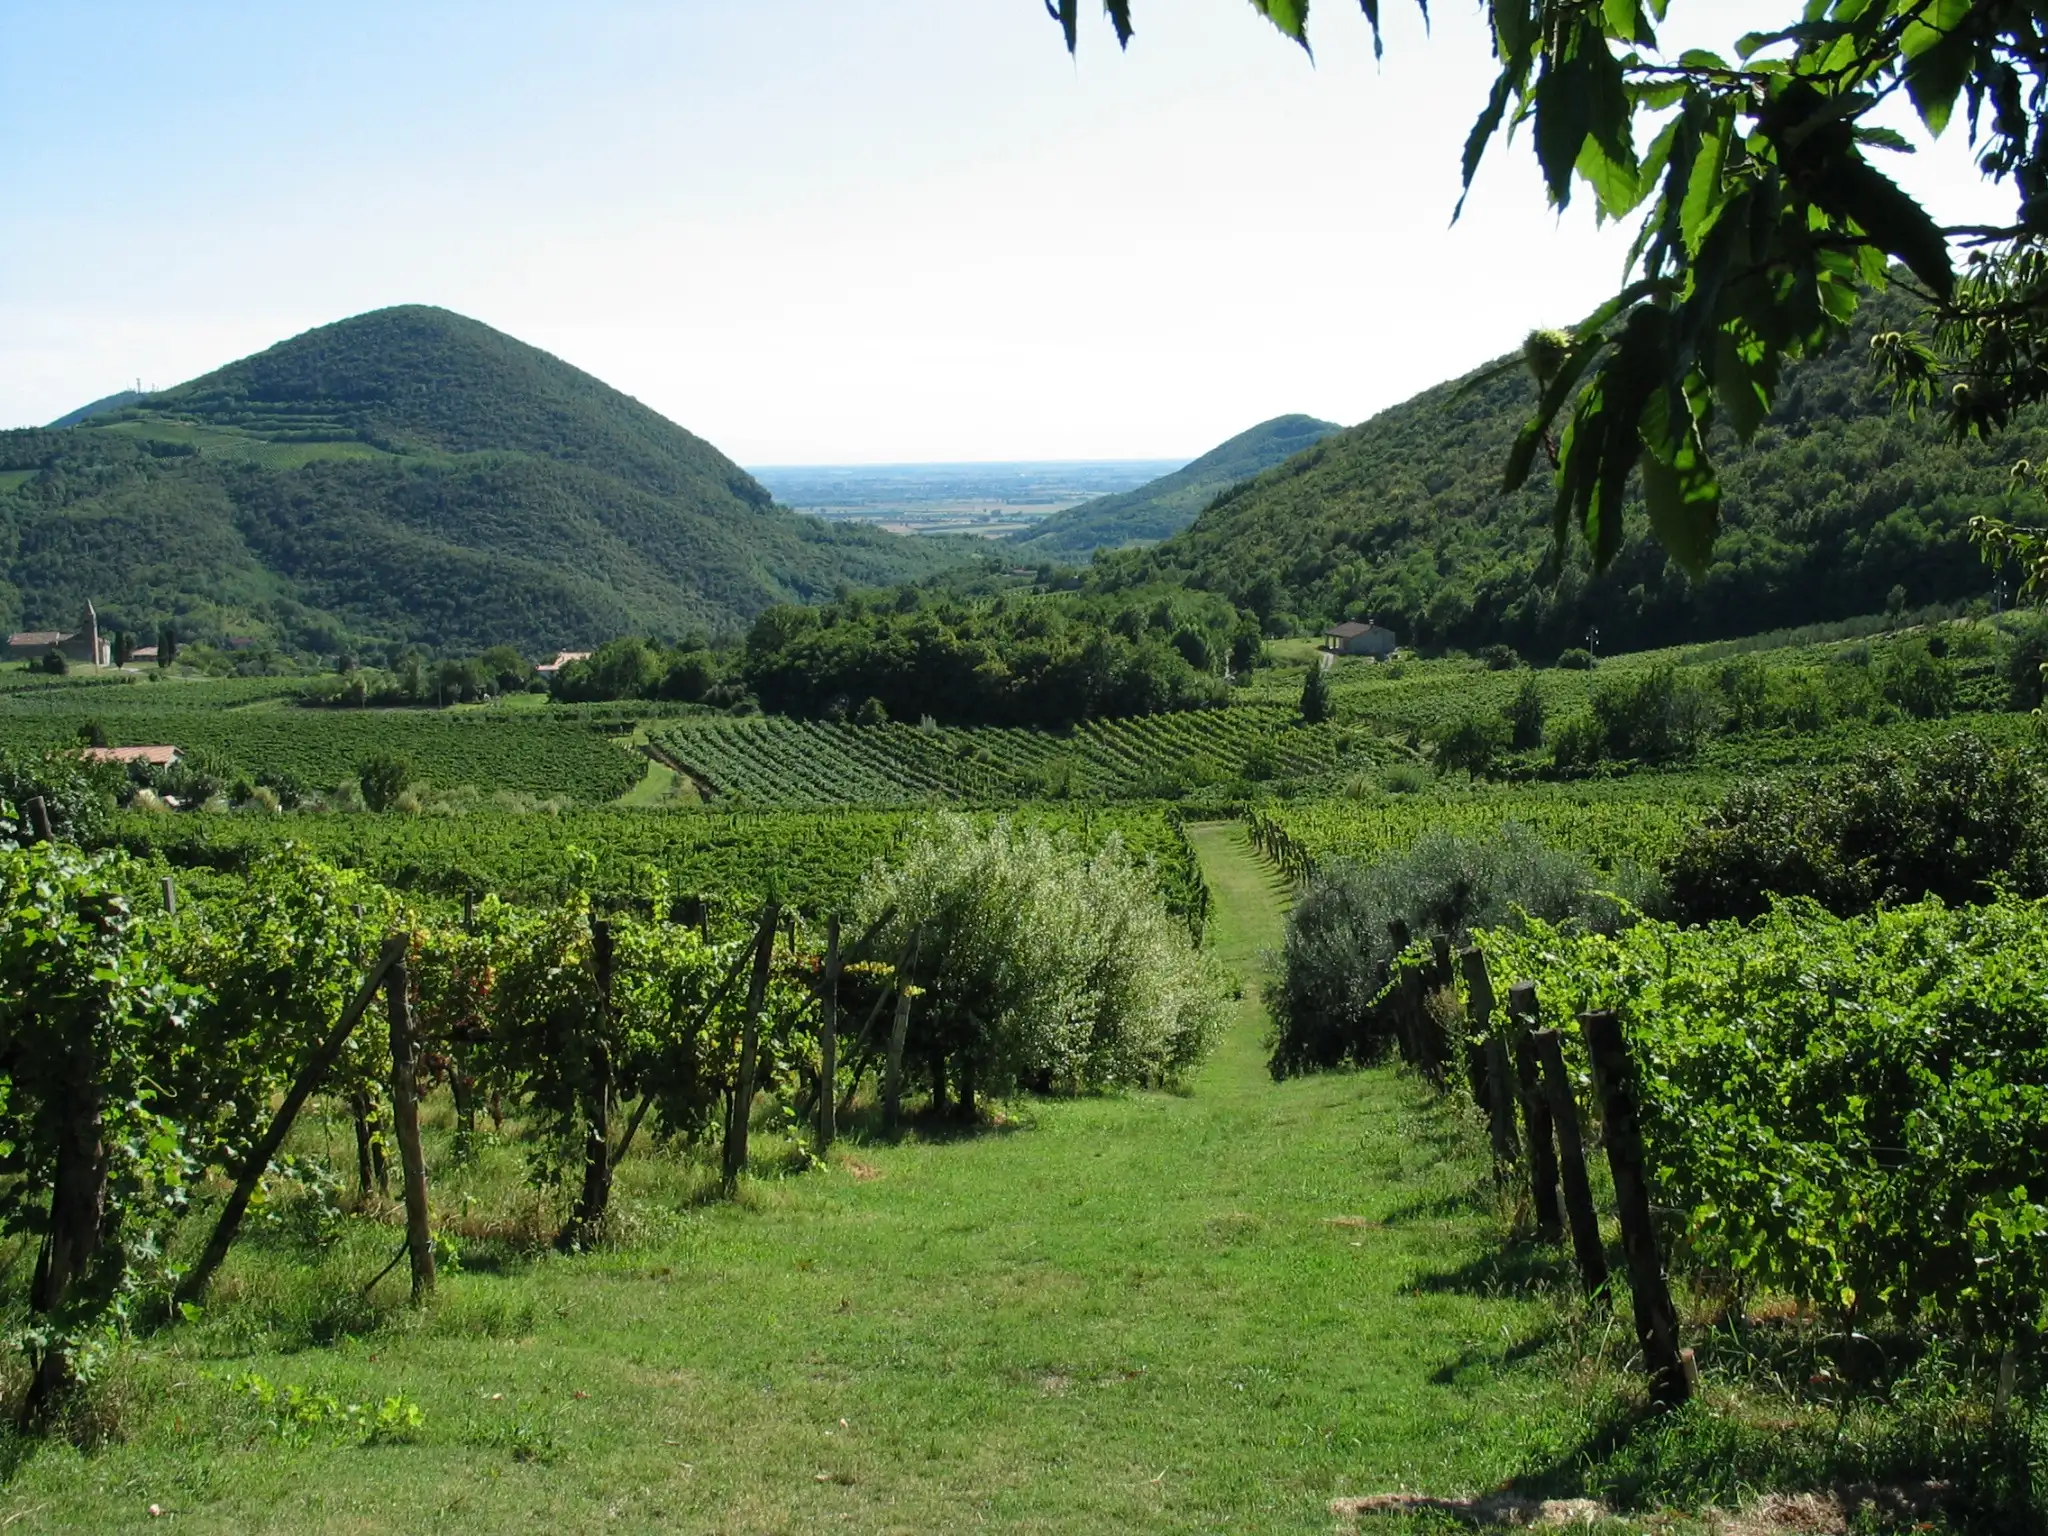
{"x":562,"y":659}
{"x":155,"y":757}
{"x":143,"y":653}
{"x":84,"y":645}
{"x":1367,"y":639}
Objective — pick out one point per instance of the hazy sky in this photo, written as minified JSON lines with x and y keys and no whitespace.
{"x":809,"y":230}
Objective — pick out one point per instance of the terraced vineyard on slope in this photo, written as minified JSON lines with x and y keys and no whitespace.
{"x":772,"y":761}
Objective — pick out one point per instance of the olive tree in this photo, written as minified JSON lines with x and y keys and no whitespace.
{"x":1041,"y":963}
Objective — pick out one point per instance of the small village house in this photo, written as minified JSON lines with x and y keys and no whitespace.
{"x":84,"y":645}
{"x":153,"y":757}
{"x":562,"y":659}
{"x":1367,"y":639}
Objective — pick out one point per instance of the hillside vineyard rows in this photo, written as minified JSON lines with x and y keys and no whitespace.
{"x":775,"y":761}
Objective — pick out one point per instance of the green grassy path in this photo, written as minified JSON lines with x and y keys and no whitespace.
{"x":1250,"y":900}
{"x":1205,"y":1311}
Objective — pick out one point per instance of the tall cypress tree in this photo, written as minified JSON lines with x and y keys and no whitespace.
{"x":1315,"y":694}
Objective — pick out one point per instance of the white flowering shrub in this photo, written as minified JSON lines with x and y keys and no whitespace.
{"x":1043,"y":964}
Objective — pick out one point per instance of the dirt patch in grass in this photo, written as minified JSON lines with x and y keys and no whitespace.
{"x":1834,"y":1513}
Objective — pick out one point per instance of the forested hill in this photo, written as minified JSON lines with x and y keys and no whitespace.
{"x":410,"y":475}
{"x":1168,"y":504}
{"x":1839,"y":500}
{"x":99,"y":407}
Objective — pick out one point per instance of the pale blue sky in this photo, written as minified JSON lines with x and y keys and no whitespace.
{"x":811,"y":230}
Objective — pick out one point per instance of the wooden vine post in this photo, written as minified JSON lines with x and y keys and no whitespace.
{"x":1496,"y":1097}
{"x":1571,"y":1161}
{"x":1414,"y":1006}
{"x":39,"y":819}
{"x":405,"y":1117}
{"x":1655,"y":1316}
{"x":462,"y":1081}
{"x":1434,"y":978}
{"x":372,"y":1172}
{"x":750,"y":1048}
{"x":899,"y":1035}
{"x":595,"y":1197}
{"x":1405,"y":1033}
{"x":828,"y":1038}
{"x":1540,"y":1138}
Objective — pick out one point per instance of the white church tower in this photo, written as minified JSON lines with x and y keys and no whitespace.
{"x":101,"y":651}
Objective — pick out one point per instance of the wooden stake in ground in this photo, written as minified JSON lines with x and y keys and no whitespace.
{"x":596,"y":1196}
{"x":1656,"y":1318}
{"x":317,"y":1066}
{"x":1498,"y":1101}
{"x":405,"y":1119}
{"x":737,"y":1126}
{"x":371,"y":1170}
{"x":899,"y":1035}
{"x":39,"y":818}
{"x":1436,"y":975}
{"x":1540,"y":1138}
{"x":1398,"y":1005}
{"x":828,"y":1039}
{"x":1571,"y":1161}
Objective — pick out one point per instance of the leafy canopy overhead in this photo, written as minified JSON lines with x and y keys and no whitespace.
{"x":1763,"y":218}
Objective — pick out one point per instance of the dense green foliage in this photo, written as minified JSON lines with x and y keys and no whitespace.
{"x":634,"y":668}
{"x":1837,"y":500}
{"x":1355,"y":918}
{"x":1847,"y":1110}
{"x":89,"y":1027}
{"x":407,"y":475}
{"x":1006,"y":661}
{"x":412,"y":679}
{"x":76,"y":794}
{"x":1042,"y":963}
{"x":1169,"y":504}
{"x":1954,"y":818}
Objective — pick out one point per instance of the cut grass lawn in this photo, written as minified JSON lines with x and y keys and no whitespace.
{"x":1208,"y":1310}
